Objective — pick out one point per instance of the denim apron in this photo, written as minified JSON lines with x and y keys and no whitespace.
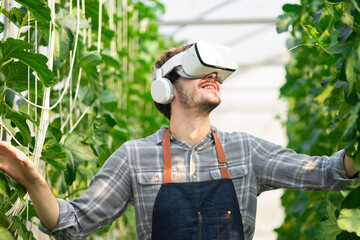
{"x":196,"y":210}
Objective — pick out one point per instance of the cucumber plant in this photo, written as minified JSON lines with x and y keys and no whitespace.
{"x":323,"y":91}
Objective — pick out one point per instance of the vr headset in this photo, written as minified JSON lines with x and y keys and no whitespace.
{"x":198,"y":61}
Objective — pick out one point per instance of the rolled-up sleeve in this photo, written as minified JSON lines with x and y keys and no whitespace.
{"x":105,"y":200}
{"x":278,"y":167}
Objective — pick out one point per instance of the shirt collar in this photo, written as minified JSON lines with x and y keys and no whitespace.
{"x":160,"y":133}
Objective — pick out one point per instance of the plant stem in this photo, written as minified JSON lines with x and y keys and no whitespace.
{"x":8,"y":61}
{"x":356,"y":6}
{"x":19,"y":32}
{"x":2,"y":102}
{"x":2,"y":6}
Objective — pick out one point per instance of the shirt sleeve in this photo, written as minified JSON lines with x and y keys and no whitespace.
{"x":278,"y":167}
{"x":105,"y":200}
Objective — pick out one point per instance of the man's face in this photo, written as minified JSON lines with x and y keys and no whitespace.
{"x":202,"y":94}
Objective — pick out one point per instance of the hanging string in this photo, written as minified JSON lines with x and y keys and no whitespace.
{"x":99,"y":27}
{"x":36,"y":77}
{"x":28,"y":66}
{"x":29,"y":35}
{"x":72,"y":106}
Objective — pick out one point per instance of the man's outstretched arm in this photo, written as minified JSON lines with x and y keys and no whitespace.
{"x":18,"y":166}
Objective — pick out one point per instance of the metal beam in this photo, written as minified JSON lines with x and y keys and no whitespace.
{"x":217,"y":22}
{"x":202,"y":15}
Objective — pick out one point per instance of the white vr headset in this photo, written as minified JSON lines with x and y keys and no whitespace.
{"x":198,"y":61}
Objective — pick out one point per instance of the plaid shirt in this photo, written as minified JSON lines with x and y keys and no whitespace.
{"x":134,"y":174}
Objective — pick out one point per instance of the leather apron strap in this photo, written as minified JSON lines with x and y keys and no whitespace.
{"x":167,"y":157}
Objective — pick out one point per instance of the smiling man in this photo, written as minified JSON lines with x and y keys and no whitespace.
{"x":188,"y":181}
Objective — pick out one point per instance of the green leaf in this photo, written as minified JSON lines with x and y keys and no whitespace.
{"x":19,"y":119}
{"x":349,"y":220}
{"x":70,"y":22}
{"x":4,"y":187}
{"x":1,"y":27}
{"x":5,"y":234}
{"x":19,"y":189}
{"x":110,"y":61}
{"x":350,"y":72}
{"x":344,"y":32}
{"x":106,"y":96}
{"x":38,"y":8}
{"x":3,"y":219}
{"x":328,"y":228}
{"x":283,"y":23}
{"x":344,"y":235}
{"x":65,"y":38}
{"x":14,"y":48}
{"x":89,"y":58}
{"x":77,"y":152}
{"x":351,"y":200}
{"x":89,"y":62}
{"x":292,"y":8}
{"x":119,"y":135}
{"x":80,"y":150}
{"x":16,"y":76}
{"x":15,"y":15}
{"x":350,"y":132}
{"x":53,"y":154}
{"x":347,"y":18}
{"x":7,"y":123}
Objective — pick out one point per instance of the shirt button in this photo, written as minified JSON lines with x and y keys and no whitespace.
{"x":194,"y":176}
{"x":156,"y":178}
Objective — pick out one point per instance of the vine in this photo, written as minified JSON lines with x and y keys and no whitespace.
{"x":323,"y":91}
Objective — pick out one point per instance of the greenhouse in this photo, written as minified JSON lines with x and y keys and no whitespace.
{"x":112,"y":127}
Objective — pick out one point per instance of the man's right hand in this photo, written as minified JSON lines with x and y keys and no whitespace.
{"x":18,"y":166}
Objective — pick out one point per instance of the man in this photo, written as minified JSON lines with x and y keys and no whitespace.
{"x":188,"y":181}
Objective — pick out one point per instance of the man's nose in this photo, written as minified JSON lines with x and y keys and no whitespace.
{"x":211,"y":76}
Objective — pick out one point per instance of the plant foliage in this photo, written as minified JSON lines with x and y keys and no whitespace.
{"x":323,"y":91}
{"x":110,"y":105}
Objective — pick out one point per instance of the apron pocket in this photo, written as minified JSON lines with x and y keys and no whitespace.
{"x":214,"y":225}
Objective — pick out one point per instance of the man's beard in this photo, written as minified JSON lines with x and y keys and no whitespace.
{"x":203,"y":107}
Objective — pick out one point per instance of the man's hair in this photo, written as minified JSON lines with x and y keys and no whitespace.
{"x":165,"y":109}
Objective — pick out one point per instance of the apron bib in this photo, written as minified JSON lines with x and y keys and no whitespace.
{"x":206,"y":210}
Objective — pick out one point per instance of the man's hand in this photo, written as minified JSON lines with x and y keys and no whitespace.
{"x":349,"y":166}
{"x":18,"y":166}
